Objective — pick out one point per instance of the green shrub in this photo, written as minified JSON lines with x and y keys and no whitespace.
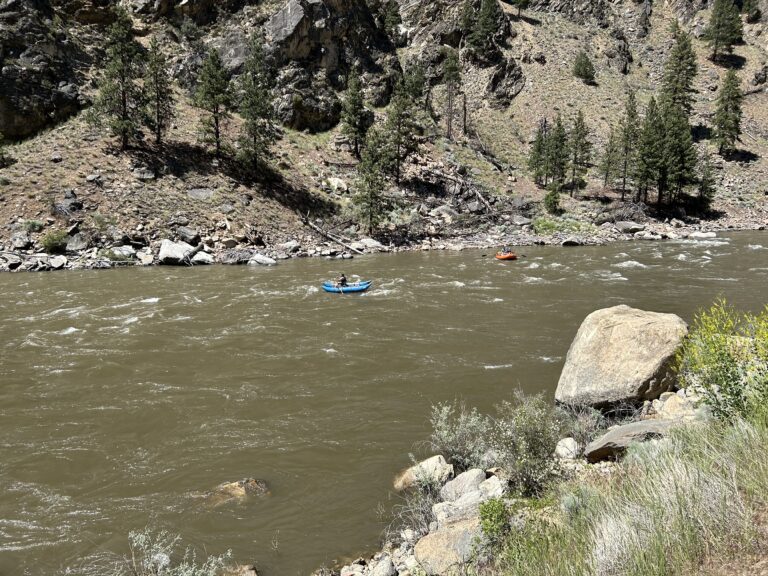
{"x":583,"y":68}
{"x":725,"y":359}
{"x":494,"y":520}
{"x":55,"y":241}
{"x":33,"y":225}
{"x":552,"y":202}
{"x":523,"y":438}
{"x":459,"y":434}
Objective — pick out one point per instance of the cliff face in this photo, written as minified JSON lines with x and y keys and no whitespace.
{"x":38,"y":84}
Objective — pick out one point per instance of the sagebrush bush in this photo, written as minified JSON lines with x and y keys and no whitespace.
{"x":523,"y":438}
{"x":460,"y":435}
{"x":725,"y":359}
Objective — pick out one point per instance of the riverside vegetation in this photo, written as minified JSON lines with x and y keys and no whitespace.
{"x":690,"y":502}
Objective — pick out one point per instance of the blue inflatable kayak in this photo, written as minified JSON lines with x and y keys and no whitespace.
{"x":355,"y":287}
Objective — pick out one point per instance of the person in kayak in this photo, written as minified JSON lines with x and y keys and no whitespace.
{"x":341,"y":281}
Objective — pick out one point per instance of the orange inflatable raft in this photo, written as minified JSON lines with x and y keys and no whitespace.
{"x":506,"y":256}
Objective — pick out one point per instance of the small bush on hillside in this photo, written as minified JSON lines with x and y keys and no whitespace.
{"x":583,"y":68}
{"x":55,"y":241}
{"x":523,"y":437}
{"x":33,"y":225}
{"x":460,"y":435}
{"x":725,"y":359}
{"x":552,"y":202}
{"x":583,"y":423}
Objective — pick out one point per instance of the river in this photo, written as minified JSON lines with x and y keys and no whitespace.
{"x":127,"y":394}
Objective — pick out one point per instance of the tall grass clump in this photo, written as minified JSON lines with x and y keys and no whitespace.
{"x":725,"y":360}
{"x":670,"y":505}
{"x":414,"y":511}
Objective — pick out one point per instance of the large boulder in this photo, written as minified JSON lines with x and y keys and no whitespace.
{"x":174,"y":253}
{"x":615,"y":442}
{"x":620,"y":354}
{"x":448,"y":551}
{"x":464,"y":483}
{"x":434,"y":469}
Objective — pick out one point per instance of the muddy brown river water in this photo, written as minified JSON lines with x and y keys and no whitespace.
{"x":126,"y":394}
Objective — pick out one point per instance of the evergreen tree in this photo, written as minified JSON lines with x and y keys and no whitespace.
{"x":258,"y":133}
{"x":467,"y":18}
{"x":369,"y":199}
{"x":414,"y":81}
{"x":752,"y":9}
{"x":580,"y":149}
{"x":521,"y":5}
{"x":583,"y":68}
{"x":392,"y":19}
{"x":159,"y":92}
{"x":353,"y":114}
{"x":486,"y":26}
{"x":679,"y":152}
{"x":452,"y":78}
{"x":214,"y":95}
{"x":537,"y":158}
{"x":401,"y":128}
{"x":611,"y":159}
{"x":727,"y":118}
{"x":724,"y":28}
{"x":120,"y":97}
{"x":650,"y":151}
{"x":680,"y":70}
{"x":557,"y":151}
{"x":628,"y":137}
{"x":706,"y":182}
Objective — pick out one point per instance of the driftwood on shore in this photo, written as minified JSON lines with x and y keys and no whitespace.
{"x":330,"y":236}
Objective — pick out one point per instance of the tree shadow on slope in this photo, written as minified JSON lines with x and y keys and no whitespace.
{"x":184,"y":159}
{"x":733,"y":61}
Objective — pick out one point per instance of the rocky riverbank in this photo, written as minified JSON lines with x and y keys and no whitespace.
{"x":620,"y":357}
{"x":35,"y":247}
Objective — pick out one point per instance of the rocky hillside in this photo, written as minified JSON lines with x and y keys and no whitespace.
{"x":67,"y":175}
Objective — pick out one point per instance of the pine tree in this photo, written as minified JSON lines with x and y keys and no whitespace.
{"x":369,"y":199}
{"x":724,"y":28}
{"x":467,"y":18}
{"x":258,"y":133}
{"x":752,"y":9}
{"x":537,"y":158}
{"x":628,"y":137}
{"x":392,"y":19}
{"x":679,"y":152}
{"x":580,"y":148}
{"x":414,"y":81}
{"x":583,"y":68}
{"x":401,"y":129}
{"x":680,"y":70}
{"x":706,"y":182}
{"x":650,"y":150}
{"x":557,"y":151}
{"x":521,"y":5}
{"x":120,"y":97}
{"x":611,"y":159}
{"x":452,"y":78}
{"x":486,"y":26}
{"x":159,"y":92}
{"x":727,"y":118}
{"x":214,"y":95}
{"x":353,"y":113}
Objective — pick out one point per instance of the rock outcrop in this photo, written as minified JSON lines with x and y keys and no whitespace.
{"x":434,"y":469}
{"x":38,"y":85}
{"x":448,"y":551}
{"x":615,"y":442}
{"x":620,"y":354}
